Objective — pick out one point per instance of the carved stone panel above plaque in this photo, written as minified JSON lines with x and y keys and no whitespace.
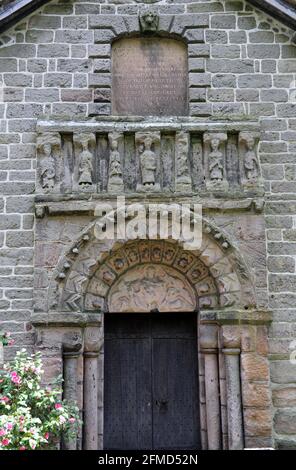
{"x":148,"y":156}
{"x":149,"y":77}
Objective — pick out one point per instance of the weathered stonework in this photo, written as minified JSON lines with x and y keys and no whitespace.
{"x":234,"y":152}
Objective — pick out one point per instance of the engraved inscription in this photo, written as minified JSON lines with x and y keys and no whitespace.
{"x":149,"y":77}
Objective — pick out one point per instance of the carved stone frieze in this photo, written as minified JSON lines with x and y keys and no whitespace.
{"x":150,"y":157}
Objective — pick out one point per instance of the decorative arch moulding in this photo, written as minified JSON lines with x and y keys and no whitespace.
{"x":150,"y":157}
{"x":127,"y":275}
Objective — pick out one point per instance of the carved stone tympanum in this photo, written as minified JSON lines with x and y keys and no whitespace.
{"x":151,"y":287}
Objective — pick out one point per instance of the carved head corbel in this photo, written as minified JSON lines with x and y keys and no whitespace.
{"x":149,"y":21}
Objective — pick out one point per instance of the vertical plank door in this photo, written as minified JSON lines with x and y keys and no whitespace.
{"x":151,"y":382}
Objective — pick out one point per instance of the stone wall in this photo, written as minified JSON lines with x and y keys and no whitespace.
{"x":242,"y":63}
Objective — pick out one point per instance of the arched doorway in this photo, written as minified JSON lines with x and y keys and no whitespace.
{"x":94,"y":280}
{"x":151,"y":398}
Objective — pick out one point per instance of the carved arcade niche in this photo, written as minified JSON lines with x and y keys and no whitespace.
{"x":137,"y":158}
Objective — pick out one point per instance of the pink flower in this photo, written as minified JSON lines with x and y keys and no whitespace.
{"x":62,"y":419}
{"x":22,"y":448}
{"x":46,"y":435}
{"x":22,"y":419}
{"x":5,"y":442}
{"x":58,"y":406}
{"x":2,"y":432}
{"x":4,"y":399}
{"x":72,"y":420}
{"x":15,"y":378}
{"x":11,"y":342}
{"x":32,"y":444}
{"x":9,"y":426}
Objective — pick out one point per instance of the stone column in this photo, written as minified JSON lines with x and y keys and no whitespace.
{"x":72,"y":343}
{"x":231,"y":350}
{"x":209,"y":347}
{"x":92,"y":346}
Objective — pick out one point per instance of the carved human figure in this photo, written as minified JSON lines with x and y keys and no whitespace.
{"x":115,"y":171}
{"x":148,"y":164}
{"x":48,"y":168}
{"x":182,"y":160}
{"x":250,"y":160}
{"x":216,"y":167}
{"x":85,"y":165}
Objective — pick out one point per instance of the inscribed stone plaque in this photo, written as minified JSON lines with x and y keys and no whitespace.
{"x":149,"y":77}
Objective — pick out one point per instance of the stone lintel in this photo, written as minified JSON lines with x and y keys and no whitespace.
{"x":55,"y":205}
{"x":65,"y":319}
{"x":236,"y":317}
{"x":141,"y":124}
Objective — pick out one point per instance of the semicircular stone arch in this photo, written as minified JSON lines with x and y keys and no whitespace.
{"x":88,"y":275}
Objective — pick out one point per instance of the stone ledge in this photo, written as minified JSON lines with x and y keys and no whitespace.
{"x":236,"y":317}
{"x":55,"y":205}
{"x":65,"y":319}
{"x":141,"y":124}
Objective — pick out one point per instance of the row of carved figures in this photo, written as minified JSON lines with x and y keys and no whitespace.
{"x":53,"y":169}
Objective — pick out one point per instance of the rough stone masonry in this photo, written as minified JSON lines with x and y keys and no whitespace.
{"x":55,"y":67}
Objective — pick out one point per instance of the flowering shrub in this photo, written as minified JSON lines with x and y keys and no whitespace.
{"x":5,"y":339}
{"x":31,"y":416}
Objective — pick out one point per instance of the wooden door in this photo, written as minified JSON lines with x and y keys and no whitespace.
{"x":151,"y":382}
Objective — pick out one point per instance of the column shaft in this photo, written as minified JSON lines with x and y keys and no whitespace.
{"x":212,"y":400}
{"x":70,"y":391}
{"x":234,"y":404}
{"x":90,"y":401}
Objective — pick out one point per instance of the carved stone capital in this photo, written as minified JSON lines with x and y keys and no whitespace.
{"x":93,"y":341}
{"x":72,"y":343}
{"x":231,"y":337}
{"x":209,"y":338}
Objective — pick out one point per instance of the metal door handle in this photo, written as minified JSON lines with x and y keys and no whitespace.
{"x":161,"y":402}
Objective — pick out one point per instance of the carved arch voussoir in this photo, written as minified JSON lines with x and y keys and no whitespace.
{"x":216,"y":272}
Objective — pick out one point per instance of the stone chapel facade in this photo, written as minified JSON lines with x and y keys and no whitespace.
{"x":163,"y":102}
